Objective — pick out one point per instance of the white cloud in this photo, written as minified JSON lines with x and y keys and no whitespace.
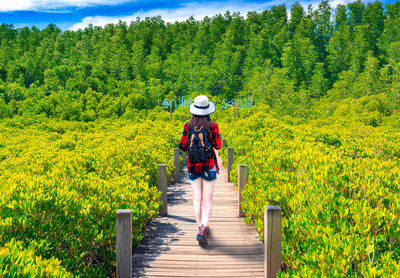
{"x":198,"y":10}
{"x":19,"y":5}
{"x":15,"y":5}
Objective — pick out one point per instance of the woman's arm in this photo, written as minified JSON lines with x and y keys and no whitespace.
{"x":183,"y":144}
{"x":215,"y":139}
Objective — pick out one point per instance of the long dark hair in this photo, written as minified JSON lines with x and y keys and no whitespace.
{"x":198,"y":121}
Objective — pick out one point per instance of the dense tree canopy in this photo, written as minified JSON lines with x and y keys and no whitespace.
{"x":106,"y":71}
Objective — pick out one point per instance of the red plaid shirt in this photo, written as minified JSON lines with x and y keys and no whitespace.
{"x":215,"y":142}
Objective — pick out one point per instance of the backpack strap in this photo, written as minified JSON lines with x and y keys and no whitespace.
{"x":191,"y":140}
{"x":201,"y":137}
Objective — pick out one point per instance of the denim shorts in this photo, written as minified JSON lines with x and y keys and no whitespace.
{"x":206,"y":175}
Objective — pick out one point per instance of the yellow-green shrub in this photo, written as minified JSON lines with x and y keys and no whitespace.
{"x":338,"y":188}
{"x":15,"y":261}
{"x":59,"y":191}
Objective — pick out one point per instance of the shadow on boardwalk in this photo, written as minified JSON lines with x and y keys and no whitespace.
{"x":162,"y":234}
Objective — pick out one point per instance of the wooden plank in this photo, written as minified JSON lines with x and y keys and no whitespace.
{"x":214,"y":234}
{"x":198,"y":276}
{"x":215,"y":210}
{"x":204,"y":266}
{"x":181,"y":229}
{"x":183,"y":266}
{"x":189,"y":207}
{"x":221,"y":214}
{"x":214,"y":240}
{"x":187,"y":189}
{"x":184,"y":250}
{"x":177,"y":233}
{"x":221,"y":225}
{"x":212,"y":237}
{"x":192,"y":222}
{"x":177,"y":217}
{"x":173,"y":217}
{"x":221,"y":231}
{"x":227,"y":275}
{"x":196,"y":257}
{"x":215,"y":271}
{"x":187,"y":264}
{"x":220,"y":200}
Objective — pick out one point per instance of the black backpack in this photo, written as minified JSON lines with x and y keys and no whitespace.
{"x":200,"y":149}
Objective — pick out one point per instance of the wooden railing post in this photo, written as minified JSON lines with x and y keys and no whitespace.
{"x":242,"y":180}
{"x":272,"y":241}
{"x":162,"y":186}
{"x":223,"y":146}
{"x":124,"y":243}
{"x":230,"y":162}
{"x":184,"y":158}
{"x":220,"y":136}
{"x":176,"y":164}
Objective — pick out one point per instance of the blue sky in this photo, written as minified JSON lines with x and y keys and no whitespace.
{"x":75,"y":14}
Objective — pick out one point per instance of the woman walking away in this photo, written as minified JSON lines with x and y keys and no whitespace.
{"x":200,"y":137}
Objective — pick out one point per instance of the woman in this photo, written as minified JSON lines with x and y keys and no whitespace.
{"x":202,"y":174}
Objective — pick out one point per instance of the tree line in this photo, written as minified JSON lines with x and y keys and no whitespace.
{"x":288,"y":63}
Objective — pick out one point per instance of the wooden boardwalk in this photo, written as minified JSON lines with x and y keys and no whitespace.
{"x":170,"y":248}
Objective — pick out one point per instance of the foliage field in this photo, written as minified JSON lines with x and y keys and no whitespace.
{"x":338,"y":187}
{"x":82,"y":132}
{"x":62,"y":182}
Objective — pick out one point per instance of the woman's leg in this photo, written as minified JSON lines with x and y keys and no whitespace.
{"x":208,"y":189}
{"x":197,"y":197}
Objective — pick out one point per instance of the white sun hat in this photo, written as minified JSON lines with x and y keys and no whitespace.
{"x":201,"y":106}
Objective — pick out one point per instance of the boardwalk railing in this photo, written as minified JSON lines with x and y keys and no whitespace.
{"x":272,"y":241}
{"x":223,"y":145}
{"x":243,"y":171}
{"x":162,"y":186}
{"x":124,"y":242}
{"x":176,"y":164}
{"x":272,"y":221}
